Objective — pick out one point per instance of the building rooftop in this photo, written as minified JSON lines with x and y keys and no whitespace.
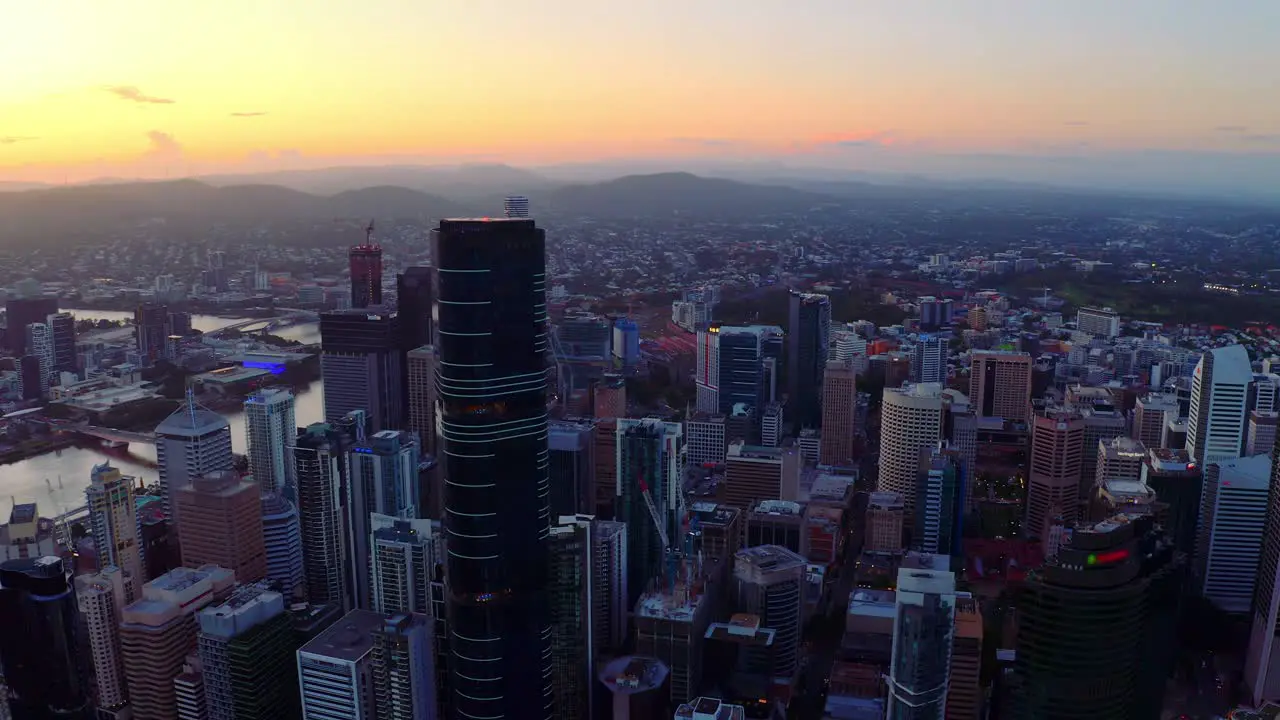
{"x":632,"y":674}
{"x":666,"y":605}
{"x":349,"y":639}
{"x":705,"y":708}
{"x":191,"y":420}
{"x":768,"y":559}
{"x":232,"y":374}
{"x":778,"y":507}
{"x":885,"y":501}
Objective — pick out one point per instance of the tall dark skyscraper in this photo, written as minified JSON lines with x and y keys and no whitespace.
{"x":366,"y":272}
{"x":62,"y":326}
{"x":151,"y":325}
{"x":21,"y":312}
{"x":808,"y":333}
{"x":491,"y":306}
{"x":362,"y":365}
{"x":38,"y":633}
{"x":413,"y":303}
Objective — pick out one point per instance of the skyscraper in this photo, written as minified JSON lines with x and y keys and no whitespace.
{"x":414,"y":306}
{"x":491,"y":304}
{"x":1057,"y":451}
{"x":368,"y":666}
{"x":1000,"y":385}
{"x":422,"y":397}
{"x":247,"y":645}
{"x":113,"y":519}
{"x":609,"y":593}
{"x":384,"y":480}
{"x":572,"y":647}
{"x":63,"y":328}
{"x":362,"y":363}
{"x":808,"y":333}
{"x":571,"y":450}
{"x":21,"y":312}
{"x":39,"y":626}
{"x":734,"y":367}
{"x":403,"y":673}
{"x":839,"y":412}
{"x":270,"y":429}
{"x":1262,"y":660}
{"x":648,"y":463}
{"x":40,"y":346}
{"x":191,"y":442}
{"x":100,"y":599}
{"x":222,"y":524}
{"x":366,"y":273}
{"x":282,"y":540}
{"x":321,"y":463}
{"x":929,"y":363}
{"x":1233,"y":514}
{"x":923,"y":629}
{"x":911,"y":420}
{"x":151,"y":328}
{"x":939,"y":502}
{"x":768,"y":583}
{"x":1219,"y":404}
{"x":403,"y":558}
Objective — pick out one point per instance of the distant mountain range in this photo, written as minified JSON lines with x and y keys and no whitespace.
{"x":670,"y":193}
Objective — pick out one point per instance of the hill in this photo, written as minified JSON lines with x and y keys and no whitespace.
{"x":188,"y":206}
{"x":680,"y":193}
{"x":459,"y":182}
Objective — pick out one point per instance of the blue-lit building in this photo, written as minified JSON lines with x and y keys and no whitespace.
{"x":626,"y":342}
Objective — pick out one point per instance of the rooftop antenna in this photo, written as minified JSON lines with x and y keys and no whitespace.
{"x":368,"y":234}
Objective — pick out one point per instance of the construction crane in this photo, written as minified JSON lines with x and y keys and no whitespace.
{"x":653,"y":513}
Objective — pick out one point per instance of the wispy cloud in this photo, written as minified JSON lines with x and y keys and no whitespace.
{"x":15,"y":139}
{"x":164,"y":146}
{"x":878,"y":138}
{"x":1076,"y":123}
{"x":247,"y":114}
{"x":705,"y":142}
{"x":1261,"y":138}
{"x":1232,"y":129}
{"x":133,"y":94}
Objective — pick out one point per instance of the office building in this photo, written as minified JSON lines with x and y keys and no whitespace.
{"x":282,"y":540}
{"x":582,"y":352}
{"x":422,"y":396}
{"x":1053,"y":487}
{"x":911,"y":420}
{"x":366,"y":274}
{"x":884,"y":523}
{"x":671,"y":624}
{"x":403,"y":668}
{"x":923,"y":628}
{"x":151,"y":329}
{"x":706,"y":439}
{"x":964,"y":685}
{"x":191,"y":442}
{"x":753,"y":473}
{"x":491,"y":307}
{"x":808,"y":332}
{"x":1219,"y":404}
{"x":571,"y":461}
{"x":1262,"y":659}
{"x":384,"y":480}
{"x":771,"y":429}
{"x":222,"y":524}
{"x":362,"y":364}
{"x":1000,"y":385}
{"x":1097,"y":625}
{"x":737,"y":365}
{"x":1149,"y":417}
{"x":158,"y":632}
{"x":939,"y":502}
{"x":649,"y":486}
{"x":929,"y":359}
{"x":626,"y":342}
{"x":23,"y":311}
{"x":40,"y":346}
{"x":1177,"y":483}
{"x":839,"y":414}
{"x":368,"y":666}
{"x":39,"y":629}
{"x":1262,"y":432}
{"x":414,"y":304}
{"x":113,"y":520}
{"x":1120,"y":458}
{"x":29,"y":378}
{"x":1233,"y":515}
{"x":605,"y":470}
{"x":571,"y":604}
{"x":769,"y":583}
{"x":100,"y":599}
{"x":516,"y":206}
{"x":270,"y":430}
{"x":1102,"y":424}
{"x":405,"y":557}
{"x":638,"y":686}
{"x":62,"y":327}
{"x":609,"y":609}
{"x":246,"y":645}
{"x":320,"y":462}
{"x":1103,"y":322}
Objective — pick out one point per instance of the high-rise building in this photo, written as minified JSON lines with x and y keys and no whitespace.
{"x":1262,"y":660}
{"x":422,"y":396}
{"x":191,"y":442}
{"x":63,"y":328}
{"x":158,"y":632}
{"x":1233,"y":515}
{"x":706,"y":439}
{"x":1057,"y":448}
{"x":911,"y":420}
{"x":609,"y":608}
{"x":650,"y":463}
{"x":671,"y":624}
{"x":113,"y":520}
{"x":405,"y":557}
{"x":151,"y":328}
{"x":808,"y":332}
{"x":609,"y":397}
{"x":571,"y":461}
{"x":270,"y":428}
{"x":39,"y":629}
{"x":884,"y":523}
{"x":582,"y":352}
{"x":1219,"y":404}
{"x":23,"y":311}
{"x":1097,"y":625}
{"x":403,"y":672}
{"x":1149,"y":416}
{"x":733,"y":366}
{"x":769,"y":583}
{"x":282,"y":539}
{"x":414,"y":306}
{"x":1177,"y":482}
{"x":29,"y":378}
{"x":491,"y":307}
{"x":516,"y":206}
{"x":605,"y":470}
{"x":1000,"y":385}
{"x":839,"y":414}
{"x":964,"y":685}
{"x":100,"y":599}
{"x":923,"y":629}
{"x":929,"y":362}
{"x":638,"y":685}
{"x":771,"y":430}
{"x":939,"y":502}
{"x":1103,"y":322}
{"x":1120,"y":458}
{"x":1262,"y":432}
{"x":362,"y":364}
{"x":572,"y":647}
{"x":221,"y":524}
{"x":366,"y":274}
{"x":369,"y":666}
{"x":40,"y":346}
{"x":384,"y":480}
{"x":247,"y":645}
{"x":753,"y":473}
{"x":321,"y":463}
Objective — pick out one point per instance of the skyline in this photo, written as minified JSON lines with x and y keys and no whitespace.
{"x":250,"y":87}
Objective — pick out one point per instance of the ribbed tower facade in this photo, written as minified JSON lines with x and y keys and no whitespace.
{"x":492,"y":311}
{"x":271,"y":430}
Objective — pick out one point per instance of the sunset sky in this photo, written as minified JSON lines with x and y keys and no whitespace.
{"x":155,"y":88}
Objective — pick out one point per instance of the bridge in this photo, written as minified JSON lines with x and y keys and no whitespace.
{"x":292,"y":316}
{"x":114,"y":435}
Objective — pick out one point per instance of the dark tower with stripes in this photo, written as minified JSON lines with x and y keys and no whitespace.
{"x":491,"y":379}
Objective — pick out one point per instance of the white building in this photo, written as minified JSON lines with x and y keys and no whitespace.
{"x":1219,"y":404}
{"x":40,"y":344}
{"x":282,"y":537}
{"x":929,"y":363}
{"x":335,"y":670}
{"x":113,"y":520}
{"x":100,"y":599}
{"x":1232,"y":517}
{"x":911,"y":420}
{"x":1098,"y":321}
{"x":923,"y":628}
{"x":403,"y":555}
{"x":191,"y":442}
{"x":270,"y":429}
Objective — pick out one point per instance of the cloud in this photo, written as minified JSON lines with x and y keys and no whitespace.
{"x":15,"y":139}
{"x":880,"y":138}
{"x":133,"y":94}
{"x":1076,"y":123}
{"x":1231,"y":129}
{"x":247,"y":114}
{"x":1261,"y":138}
{"x":705,"y":142}
{"x":163,"y":146}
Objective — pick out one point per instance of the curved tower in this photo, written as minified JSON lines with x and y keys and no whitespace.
{"x":491,"y":380}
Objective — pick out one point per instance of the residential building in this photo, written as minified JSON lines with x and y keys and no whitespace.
{"x":282,"y":540}
{"x":403,"y":671}
{"x":384,"y":480}
{"x":1000,"y":385}
{"x":422,"y":396}
{"x":113,"y":520}
{"x":100,"y":599}
{"x":911,"y":420}
{"x":320,"y":461}
{"x":222,"y":524}
{"x":839,"y":414}
{"x":271,"y":429}
{"x":406,"y":556}
{"x":929,"y":361}
{"x":414,"y":301}
{"x":571,"y":461}
{"x":366,"y":273}
{"x":246,"y":644}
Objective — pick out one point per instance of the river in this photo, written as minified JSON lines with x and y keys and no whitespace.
{"x":56,"y":480}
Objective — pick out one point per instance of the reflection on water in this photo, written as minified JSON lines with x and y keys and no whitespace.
{"x":57,"y":480}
